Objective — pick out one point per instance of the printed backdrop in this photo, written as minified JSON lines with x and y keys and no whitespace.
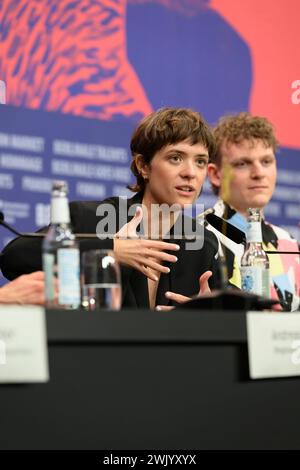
{"x":76,"y":76}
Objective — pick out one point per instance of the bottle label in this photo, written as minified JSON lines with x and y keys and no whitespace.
{"x":68,"y":276}
{"x":254,"y":232}
{"x":48,"y":266}
{"x":256,"y":280}
{"x":60,"y":212}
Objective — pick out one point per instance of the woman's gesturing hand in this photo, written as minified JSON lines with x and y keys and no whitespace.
{"x":203,"y":289}
{"x":142,"y":254}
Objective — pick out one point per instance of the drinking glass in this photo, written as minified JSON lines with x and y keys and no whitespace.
{"x":100,"y":280}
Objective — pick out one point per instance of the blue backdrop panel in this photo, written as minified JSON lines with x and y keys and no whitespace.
{"x":85,"y":72}
{"x":37,"y":147}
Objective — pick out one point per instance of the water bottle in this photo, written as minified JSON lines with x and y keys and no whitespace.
{"x":255,"y":271}
{"x":60,"y":252}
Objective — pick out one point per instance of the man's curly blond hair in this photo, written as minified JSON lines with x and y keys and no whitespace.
{"x":236,"y":128}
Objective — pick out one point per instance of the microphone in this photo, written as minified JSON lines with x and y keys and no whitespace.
{"x":221,"y":299}
{"x":227,"y":229}
{"x":228,"y":298}
{"x":38,"y":234}
{"x":85,"y":235}
{"x":236,"y":235}
{"x":9,"y":227}
{"x":282,"y":252}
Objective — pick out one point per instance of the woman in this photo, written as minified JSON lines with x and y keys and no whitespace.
{"x":170,"y":152}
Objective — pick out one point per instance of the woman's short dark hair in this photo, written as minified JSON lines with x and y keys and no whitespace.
{"x":164,"y":127}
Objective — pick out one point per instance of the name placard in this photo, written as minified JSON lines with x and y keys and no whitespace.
{"x":273,"y":344}
{"x":23,"y":344}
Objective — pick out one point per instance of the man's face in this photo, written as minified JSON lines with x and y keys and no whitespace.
{"x":176,"y":174}
{"x":247,"y":175}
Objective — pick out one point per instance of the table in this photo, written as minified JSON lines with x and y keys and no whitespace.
{"x":138,"y":379}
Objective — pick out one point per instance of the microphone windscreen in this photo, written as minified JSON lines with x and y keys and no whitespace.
{"x":227,"y":229}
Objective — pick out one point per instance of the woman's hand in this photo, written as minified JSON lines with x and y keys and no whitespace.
{"x":142,"y":254}
{"x":203,"y":289}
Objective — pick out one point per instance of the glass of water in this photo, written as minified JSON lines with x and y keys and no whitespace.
{"x":100,"y":280}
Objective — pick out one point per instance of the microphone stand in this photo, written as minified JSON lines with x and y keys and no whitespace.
{"x":223,"y":264}
{"x":229,"y":298}
{"x":40,"y":234}
{"x":282,"y":252}
{"x":223,"y":299}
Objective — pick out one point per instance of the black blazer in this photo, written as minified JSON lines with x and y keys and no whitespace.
{"x":23,"y":255}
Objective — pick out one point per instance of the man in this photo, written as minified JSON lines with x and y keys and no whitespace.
{"x":170,"y":152}
{"x":242,"y":173}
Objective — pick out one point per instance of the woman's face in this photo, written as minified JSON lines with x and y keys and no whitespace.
{"x":175,"y":174}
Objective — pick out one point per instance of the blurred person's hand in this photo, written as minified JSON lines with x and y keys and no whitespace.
{"x":26,"y":289}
